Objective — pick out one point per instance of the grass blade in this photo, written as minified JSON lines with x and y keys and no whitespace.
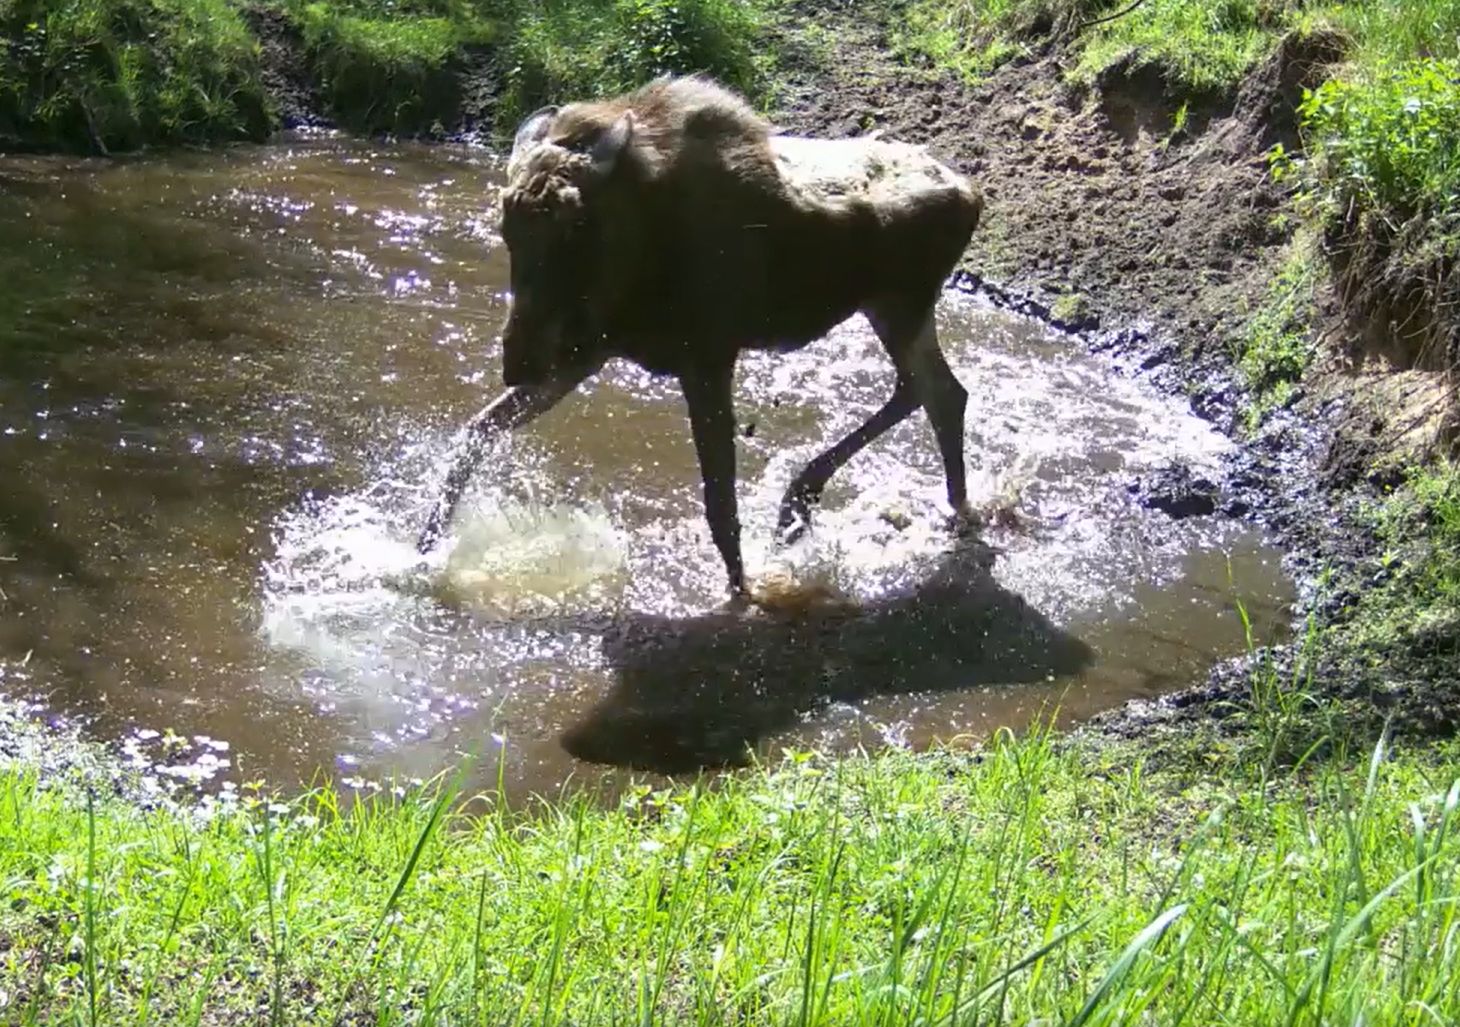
{"x":1149,"y":935}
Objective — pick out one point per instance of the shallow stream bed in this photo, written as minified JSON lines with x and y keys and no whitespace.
{"x":229,"y":386}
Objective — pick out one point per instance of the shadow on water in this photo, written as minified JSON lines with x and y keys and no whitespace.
{"x":699,"y":692}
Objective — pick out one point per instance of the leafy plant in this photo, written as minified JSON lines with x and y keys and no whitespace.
{"x":1276,"y":347}
{"x":1388,"y":140}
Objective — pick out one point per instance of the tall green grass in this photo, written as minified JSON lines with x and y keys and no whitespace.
{"x":389,"y":69}
{"x":571,"y":49}
{"x":1197,"y":46}
{"x":99,"y":74}
{"x":118,"y":74}
{"x":398,"y":68}
{"x":1026,"y":883}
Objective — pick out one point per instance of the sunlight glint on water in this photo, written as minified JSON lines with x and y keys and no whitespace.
{"x":233,"y":381}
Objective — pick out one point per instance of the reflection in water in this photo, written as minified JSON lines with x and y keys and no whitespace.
{"x":229,"y":382}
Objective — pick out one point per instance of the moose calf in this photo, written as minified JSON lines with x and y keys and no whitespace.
{"x":671,"y":226}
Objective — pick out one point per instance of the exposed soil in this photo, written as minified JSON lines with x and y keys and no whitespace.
{"x":1089,"y":196}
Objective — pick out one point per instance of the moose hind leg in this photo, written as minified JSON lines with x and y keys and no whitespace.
{"x":914,"y":348}
{"x":806,"y":488}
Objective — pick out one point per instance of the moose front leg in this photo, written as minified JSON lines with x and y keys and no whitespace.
{"x":707,"y":395}
{"x":511,"y":409}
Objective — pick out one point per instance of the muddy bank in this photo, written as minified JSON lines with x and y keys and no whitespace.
{"x":1157,"y":246}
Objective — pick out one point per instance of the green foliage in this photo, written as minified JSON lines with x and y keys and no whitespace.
{"x":122,"y":73}
{"x":1025,"y":883}
{"x":972,"y":37}
{"x":115,"y":74}
{"x":1275,"y":349}
{"x":561,"y":50}
{"x":1198,"y":46}
{"x":387,"y":70}
{"x":1388,"y":140}
{"x":1070,"y":307}
{"x":1388,"y":32}
{"x":1418,"y":525}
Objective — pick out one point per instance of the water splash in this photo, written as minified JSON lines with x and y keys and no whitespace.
{"x":353,"y":558}
{"x":514,"y":557}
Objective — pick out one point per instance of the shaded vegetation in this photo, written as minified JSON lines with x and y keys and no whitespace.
{"x":118,"y":74}
{"x":1413,"y":602}
{"x":1025,"y":883}
{"x":388,"y":68}
{"x":1381,"y":173}
{"x":1276,"y":346}
{"x":115,"y":74}
{"x":569,"y":49}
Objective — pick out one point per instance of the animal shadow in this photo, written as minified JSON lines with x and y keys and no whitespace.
{"x":698,"y":692}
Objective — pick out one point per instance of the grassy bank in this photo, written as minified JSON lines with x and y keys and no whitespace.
{"x":117,"y":74}
{"x":389,"y":66}
{"x":1022,"y":884}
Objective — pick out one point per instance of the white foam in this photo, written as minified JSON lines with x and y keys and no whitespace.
{"x":351,"y":561}
{"x":511,"y":557}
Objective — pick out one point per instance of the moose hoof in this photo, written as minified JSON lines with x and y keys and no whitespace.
{"x":790,"y":534}
{"x":795,"y":519}
{"x":965,"y":521}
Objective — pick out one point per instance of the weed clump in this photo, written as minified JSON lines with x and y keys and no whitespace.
{"x":118,"y":74}
{"x":560,"y":50}
{"x":1276,"y":347}
{"x":1198,"y":47}
{"x":388,"y":71}
{"x":1416,"y":593}
{"x":388,"y":67}
{"x":1381,"y":174}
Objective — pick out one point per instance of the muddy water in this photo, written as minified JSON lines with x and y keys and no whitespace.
{"x":229,"y":383}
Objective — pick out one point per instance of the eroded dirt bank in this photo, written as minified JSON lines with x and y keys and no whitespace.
{"x":1159,"y":246}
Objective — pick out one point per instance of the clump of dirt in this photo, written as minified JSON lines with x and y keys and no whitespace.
{"x":285,"y":69}
{"x":1178,"y":491}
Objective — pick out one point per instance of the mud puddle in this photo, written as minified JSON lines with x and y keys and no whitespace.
{"x":229,"y":384}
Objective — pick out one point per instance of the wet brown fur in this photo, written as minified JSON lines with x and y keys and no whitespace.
{"x":708,"y":250}
{"x":696,"y":242}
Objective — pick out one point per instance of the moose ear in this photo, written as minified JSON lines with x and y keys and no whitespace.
{"x":534,"y":128}
{"x":611,"y":145}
